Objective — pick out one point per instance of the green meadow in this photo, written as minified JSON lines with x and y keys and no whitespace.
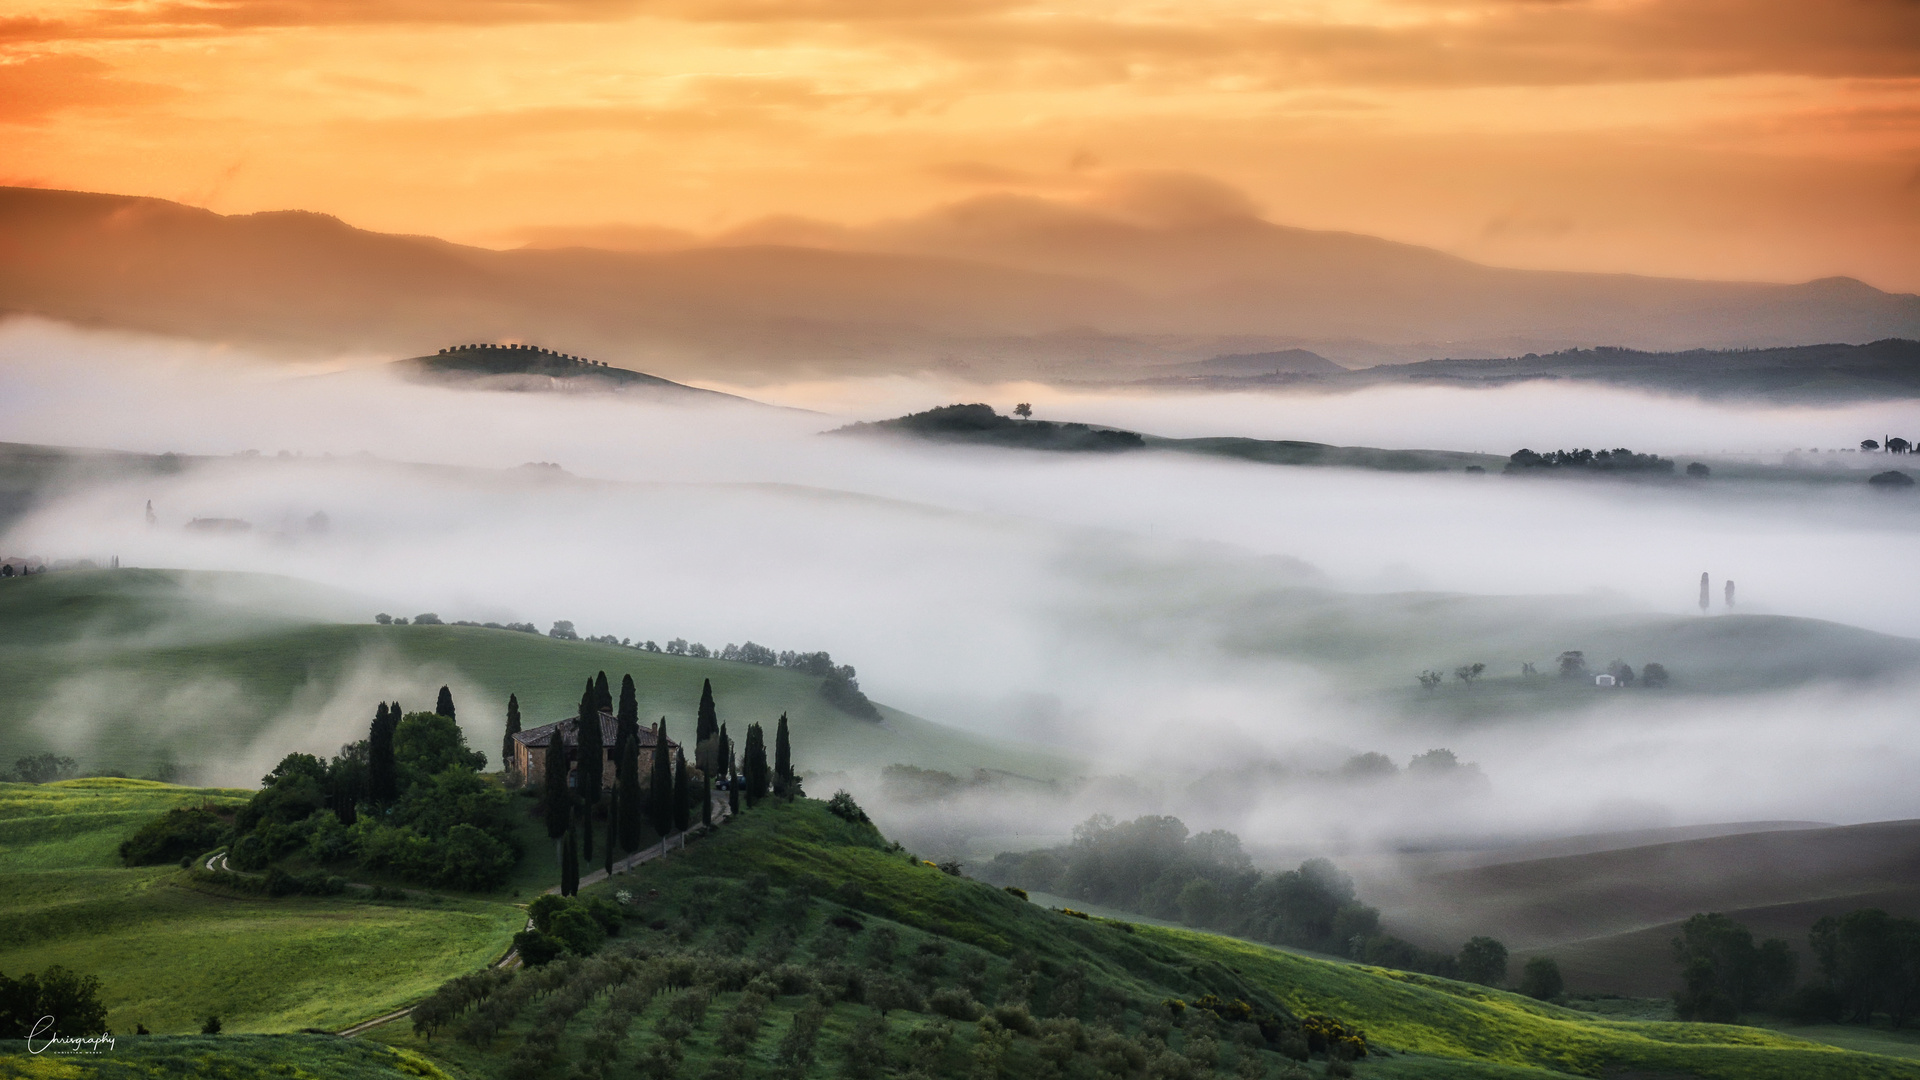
{"x":169,"y":953}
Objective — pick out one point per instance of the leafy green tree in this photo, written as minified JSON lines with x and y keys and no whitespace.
{"x":1723,"y":973}
{"x":507,"y":756}
{"x":682,"y":793}
{"x":73,"y":1000}
{"x":1484,"y":960}
{"x":1654,"y":676}
{"x":1871,"y":963}
{"x":428,"y":743}
{"x":444,"y":706}
{"x":1541,"y":980}
{"x":783,"y":778}
{"x":754,"y":765}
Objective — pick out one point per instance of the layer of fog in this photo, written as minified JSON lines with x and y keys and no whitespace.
{"x":1007,"y":593}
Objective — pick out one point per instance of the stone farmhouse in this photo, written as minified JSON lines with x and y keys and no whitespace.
{"x":531,"y":747}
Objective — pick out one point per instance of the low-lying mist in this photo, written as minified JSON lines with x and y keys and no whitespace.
{"x":1214,"y":639}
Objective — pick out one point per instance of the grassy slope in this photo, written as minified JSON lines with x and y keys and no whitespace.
{"x":219,"y":663}
{"x":168,"y":954}
{"x":1435,"y":1027}
{"x":1607,"y":916}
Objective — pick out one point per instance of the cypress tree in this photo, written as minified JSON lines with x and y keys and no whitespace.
{"x":782,"y":759}
{"x":346,"y":778}
{"x":613,"y":825}
{"x":601,"y":696}
{"x":554,"y":802}
{"x":591,"y":759}
{"x":706,"y":728}
{"x":629,"y":714}
{"x":755,"y":764}
{"x":381,"y":776}
{"x":706,"y":801}
{"x":682,"y":797}
{"x":444,"y":706}
{"x":507,"y":756}
{"x":632,"y":807}
{"x":660,"y":787}
{"x":569,"y":865}
{"x":733,"y":784}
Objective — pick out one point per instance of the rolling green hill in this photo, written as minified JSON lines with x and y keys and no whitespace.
{"x":819,"y":917}
{"x":217,"y":674}
{"x":170,"y":952}
{"x":771,"y":886}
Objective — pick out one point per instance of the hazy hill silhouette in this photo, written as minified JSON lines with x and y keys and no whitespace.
{"x":1609,"y":915}
{"x":1000,"y":286}
{"x":533,"y":369}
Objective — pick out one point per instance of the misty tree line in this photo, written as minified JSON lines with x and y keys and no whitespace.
{"x":838,"y":682}
{"x":572,"y":799}
{"x":1868,"y":964}
{"x":1153,"y":866}
{"x":1894,"y":444}
{"x":1619,"y":460}
{"x":1572,"y":664}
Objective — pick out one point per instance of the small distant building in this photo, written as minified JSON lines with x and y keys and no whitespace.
{"x":531,"y":747}
{"x":1605,"y":681}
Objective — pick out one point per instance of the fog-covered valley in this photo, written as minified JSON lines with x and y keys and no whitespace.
{"x":1207,"y":638}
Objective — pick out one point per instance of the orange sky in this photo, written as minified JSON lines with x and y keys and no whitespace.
{"x":1774,"y":139}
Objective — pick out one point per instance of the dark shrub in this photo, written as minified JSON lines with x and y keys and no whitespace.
{"x":1541,"y":979}
{"x":180,"y":833}
{"x":842,"y":806}
{"x":536,"y":948}
{"x":954,"y":1003}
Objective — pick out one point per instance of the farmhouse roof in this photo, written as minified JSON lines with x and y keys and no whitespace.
{"x":609,"y":733}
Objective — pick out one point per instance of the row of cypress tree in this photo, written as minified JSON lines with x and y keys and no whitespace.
{"x":664,"y":801}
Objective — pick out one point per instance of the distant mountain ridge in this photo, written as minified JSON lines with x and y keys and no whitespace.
{"x":1002,"y":287}
{"x":1888,"y":368}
